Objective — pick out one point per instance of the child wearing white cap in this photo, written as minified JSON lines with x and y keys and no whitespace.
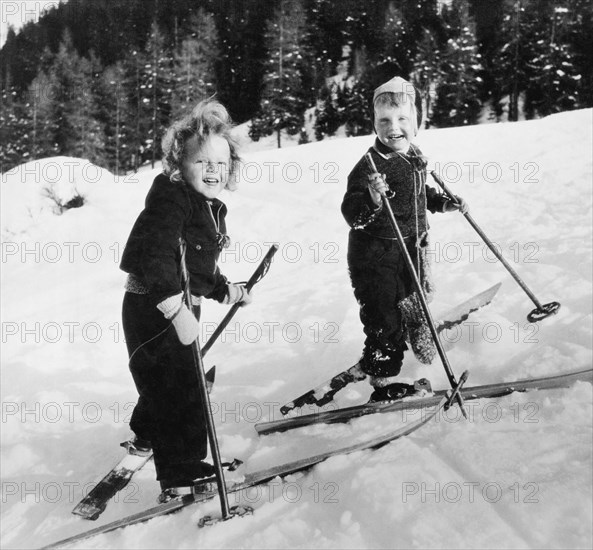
{"x":389,"y":307}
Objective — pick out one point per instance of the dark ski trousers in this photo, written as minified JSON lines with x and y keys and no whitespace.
{"x":380,"y":279}
{"x":169,"y":412}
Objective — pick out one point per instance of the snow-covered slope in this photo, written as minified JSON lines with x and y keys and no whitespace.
{"x":518,"y":474}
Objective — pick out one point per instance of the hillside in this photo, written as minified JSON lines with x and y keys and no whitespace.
{"x":517,"y":475}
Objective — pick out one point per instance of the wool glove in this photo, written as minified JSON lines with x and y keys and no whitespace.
{"x":237,"y":294}
{"x":184,"y":322}
{"x":457,"y":204}
{"x":377,"y":188}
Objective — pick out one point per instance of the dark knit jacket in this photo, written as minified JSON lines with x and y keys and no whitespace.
{"x":406,"y":177}
{"x":173,"y":210}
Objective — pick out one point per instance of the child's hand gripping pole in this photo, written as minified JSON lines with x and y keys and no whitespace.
{"x":420,"y":292}
{"x":541,"y":311}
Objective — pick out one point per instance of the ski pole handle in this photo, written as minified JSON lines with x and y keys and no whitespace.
{"x":443,"y":186}
{"x":371,"y":162}
{"x":262,"y":268}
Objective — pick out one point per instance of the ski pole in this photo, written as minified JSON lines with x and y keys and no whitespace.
{"x":541,"y":311}
{"x":257,"y":276}
{"x":420,"y":292}
{"x":198,"y":353}
{"x":199,"y":364}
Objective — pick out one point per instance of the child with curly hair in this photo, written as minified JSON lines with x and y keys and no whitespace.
{"x":200,"y":159}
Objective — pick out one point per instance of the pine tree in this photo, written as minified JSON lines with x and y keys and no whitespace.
{"x":15,"y":126}
{"x":156,"y":94}
{"x":488,"y":17}
{"x":97,"y":112}
{"x":69,"y":111}
{"x":397,"y":51}
{"x":117,"y":117}
{"x":553,"y":82}
{"x":357,"y":109}
{"x":541,"y":59}
{"x":579,"y":36}
{"x":329,"y":112}
{"x":194,"y":74}
{"x":43,"y":125}
{"x":457,"y":102}
{"x":331,"y":106}
{"x":363,"y":24}
{"x":325,"y":38}
{"x":11,"y":124}
{"x":134,"y":85}
{"x":427,"y":73}
{"x":241,"y":66}
{"x":511,"y":74}
{"x":284,"y":97}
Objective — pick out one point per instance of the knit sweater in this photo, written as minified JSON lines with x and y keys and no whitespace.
{"x":409,"y":196}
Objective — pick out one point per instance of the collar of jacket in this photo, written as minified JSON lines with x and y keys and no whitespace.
{"x":192,"y":193}
{"x":413,"y":156}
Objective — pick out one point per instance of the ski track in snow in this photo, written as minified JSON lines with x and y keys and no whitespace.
{"x":66,"y":391}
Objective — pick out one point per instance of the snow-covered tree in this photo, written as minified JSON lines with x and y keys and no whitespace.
{"x":65,"y":107}
{"x":427,"y":72}
{"x":117,"y":117}
{"x":134,"y":84}
{"x":579,"y":36}
{"x":156,"y":93}
{"x":357,"y":109}
{"x":554,"y":78}
{"x":327,"y":37}
{"x":15,"y":130}
{"x":458,"y":92}
{"x":329,"y":112}
{"x":284,"y":97}
{"x":396,"y":50}
{"x":194,"y":71}
{"x":540,"y":59}
{"x":43,"y":125}
{"x":511,"y":75}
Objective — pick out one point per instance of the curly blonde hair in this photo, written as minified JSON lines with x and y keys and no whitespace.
{"x":207,"y":118}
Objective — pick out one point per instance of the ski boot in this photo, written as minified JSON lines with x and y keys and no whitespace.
{"x":399,"y":390}
{"x":204,"y":482}
{"x":137,"y":446}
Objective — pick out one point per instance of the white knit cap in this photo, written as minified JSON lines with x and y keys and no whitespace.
{"x":396,"y":85}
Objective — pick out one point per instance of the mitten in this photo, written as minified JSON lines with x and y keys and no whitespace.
{"x":237,"y":294}
{"x":184,"y":322}
{"x":457,"y":204}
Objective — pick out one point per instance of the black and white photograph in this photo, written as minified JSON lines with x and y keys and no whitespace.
{"x":296,"y":274}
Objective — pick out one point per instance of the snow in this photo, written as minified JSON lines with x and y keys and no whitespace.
{"x":516,"y":475}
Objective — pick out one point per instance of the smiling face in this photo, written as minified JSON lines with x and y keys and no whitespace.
{"x":394,"y":126}
{"x":206,"y":168}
